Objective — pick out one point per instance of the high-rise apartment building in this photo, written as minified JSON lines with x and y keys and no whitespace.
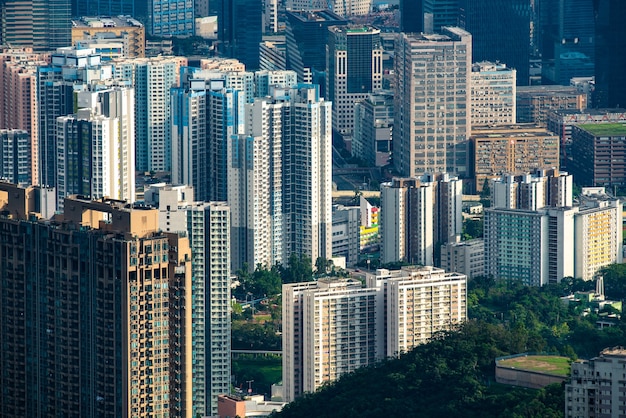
{"x":70,"y":70}
{"x":346,"y":233}
{"x":373,"y":125}
{"x":205,"y":114}
{"x":493,"y":94}
{"x":152,"y":79}
{"x":534,"y":234}
{"x":610,"y":42}
{"x":595,"y":386}
{"x":501,"y":32}
{"x":354,"y":69}
{"x":432,"y":117}
{"x":15,"y":157}
{"x":406,"y":224}
{"x":511,"y":149}
{"x":95,"y":147}
{"x":18,"y":76}
{"x":465,"y":257}
{"x":333,"y":326}
{"x":416,"y":215}
{"x":119,"y":322}
{"x":207,"y":225}
{"x":43,"y":25}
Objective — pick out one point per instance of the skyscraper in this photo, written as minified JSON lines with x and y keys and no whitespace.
{"x":306,"y":35}
{"x":95,"y":146}
{"x":240,"y":28}
{"x":428,"y":15}
{"x":70,"y":69}
{"x":354,"y":68}
{"x":152,"y":79}
{"x":43,"y":25}
{"x":568,"y":46}
{"x":119,"y":321}
{"x":103,"y":8}
{"x":15,"y":159}
{"x":610,"y":57}
{"x":171,"y":18}
{"x":207,"y":224}
{"x":493,"y":94}
{"x":432,"y":102}
{"x":501,"y":32}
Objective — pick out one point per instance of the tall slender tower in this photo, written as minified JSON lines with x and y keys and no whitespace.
{"x":432,"y":102}
{"x":43,"y":25}
{"x":354,"y":68}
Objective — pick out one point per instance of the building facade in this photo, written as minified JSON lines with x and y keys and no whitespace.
{"x":465,"y":257}
{"x":596,"y":386}
{"x":432,"y":102}
{"x":534,"y":102}
{"x":125,"y":29}
{"x":493,"y":96}
{"x":15,"y":158}
{"x":118,"y":323}
{"x":373,"y":126}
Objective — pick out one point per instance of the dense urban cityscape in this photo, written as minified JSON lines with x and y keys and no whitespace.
{"x":293,"y":208}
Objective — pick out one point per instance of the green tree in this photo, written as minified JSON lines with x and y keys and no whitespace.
{"x":298,"y":269}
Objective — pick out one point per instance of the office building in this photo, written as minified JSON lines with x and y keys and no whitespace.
{"x":104,"y":8}
{"x":493,"y":94}
{"x":70,"y":70}
{"x":428,"y":16}
{"x":610,"y":37}
{"x":306,"y":35}
{"x":273,"y":54}
{"x":511,"y":149}
{"x":465,"y":257}
{"x":568,"y":40}
{"x":152,"y":79}
{"x":354,"y":68}
{"x":432,"y":118}
{"x":561,"y":121}
{"x":343,"y":8}
{"x":129,"y":32}
{"x":119,"y":322}
{"x":171,"y":18}
{"x":501,"y":32}
{"x":534,"y":102}
{"x":598,"y":154}
{"x":43,"y":25}
{"x":95,"y":146}
{"x":595,"y":386}
{"x":346,"y":233}
{"x":373,"y":125}
{"x":207,"y":225}
{"x":333,"y":326}
{"x":240,"y":30}
{"x":15,"y":158}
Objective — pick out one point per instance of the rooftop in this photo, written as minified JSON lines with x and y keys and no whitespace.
{"x":605,"y":129}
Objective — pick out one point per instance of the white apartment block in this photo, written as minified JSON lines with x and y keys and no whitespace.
{"x":543,"y":243}
{"x":596,"y":387}
{"x":332,"y":327}
{"x":466,"y":257}
{"x":420,"y":301}
{"x":406,"y":221}
{"x":265,"y":79}
{"x":346,"y":233}
{"x":432,"y":117}
{"x":493,"y":94}
{"x":152,"y":79}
